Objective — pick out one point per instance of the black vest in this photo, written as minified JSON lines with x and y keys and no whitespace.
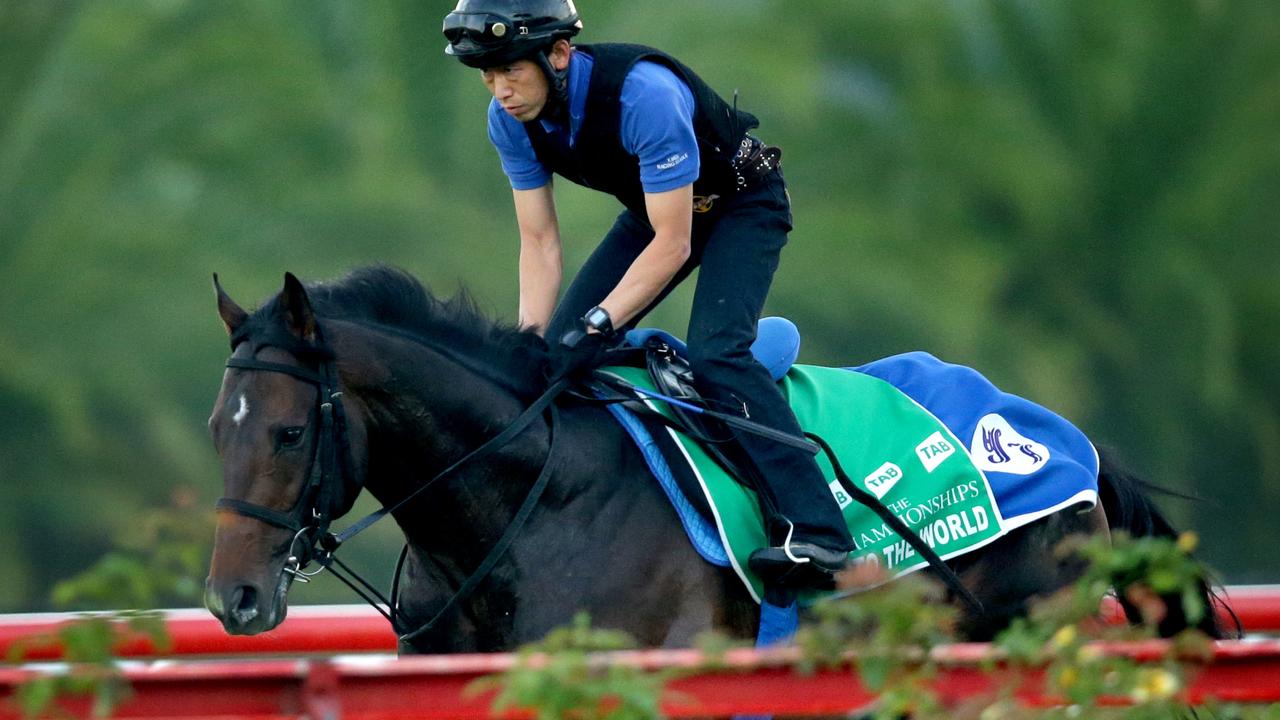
{"x":597,"y":159}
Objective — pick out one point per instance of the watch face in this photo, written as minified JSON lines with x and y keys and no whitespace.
{"x":598,"y":318}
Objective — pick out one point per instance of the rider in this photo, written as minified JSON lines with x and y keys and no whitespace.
{"x":635,"y":123}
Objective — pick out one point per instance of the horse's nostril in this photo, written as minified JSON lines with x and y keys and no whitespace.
{"x":244,"y":604}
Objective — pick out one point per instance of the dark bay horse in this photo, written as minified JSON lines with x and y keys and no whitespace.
{"x":422,"y":382}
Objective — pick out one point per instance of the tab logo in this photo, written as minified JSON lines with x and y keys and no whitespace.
{"x":837,"y":491}
{"x":934,"y":450}
{"x":880,"y":482}
{"x":997,"y":446}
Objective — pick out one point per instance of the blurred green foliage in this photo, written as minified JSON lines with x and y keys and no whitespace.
{"x":158,"y":562}
{"x":1076,"y":197}
{"x":153,"y":564}
{"x":564,"y":675}
{"x":92,"y":669}
{"x":887,"y":637}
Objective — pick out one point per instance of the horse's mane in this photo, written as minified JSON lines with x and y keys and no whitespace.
{"x":386,"y":298}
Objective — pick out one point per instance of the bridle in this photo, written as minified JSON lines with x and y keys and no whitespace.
{"x":312,"y":512}
{"x":331,"y":470}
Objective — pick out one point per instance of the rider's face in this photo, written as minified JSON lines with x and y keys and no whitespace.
{"x":520,"y":87}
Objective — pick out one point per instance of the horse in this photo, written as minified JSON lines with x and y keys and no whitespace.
{"x":370,"y":382}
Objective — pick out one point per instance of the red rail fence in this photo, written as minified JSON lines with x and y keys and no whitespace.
{"x":304,"y":681}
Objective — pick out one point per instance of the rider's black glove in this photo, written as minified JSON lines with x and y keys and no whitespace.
{"x":577,"y":353}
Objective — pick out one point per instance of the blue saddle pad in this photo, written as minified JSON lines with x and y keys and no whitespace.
{"x":1036,"y":461}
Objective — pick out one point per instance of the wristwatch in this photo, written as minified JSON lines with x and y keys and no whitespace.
{"x":597,"y":318}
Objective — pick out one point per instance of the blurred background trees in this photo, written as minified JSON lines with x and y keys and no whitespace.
{"x":1077,"y":198}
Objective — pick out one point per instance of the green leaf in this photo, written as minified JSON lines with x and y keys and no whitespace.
{"x":874,"y":671}
{"x":1193,"y":604}
{"x":36,"y":695}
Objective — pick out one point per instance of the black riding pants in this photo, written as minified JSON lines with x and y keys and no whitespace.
{"x":737,"y":244}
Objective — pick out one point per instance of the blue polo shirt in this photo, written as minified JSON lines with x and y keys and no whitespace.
{"x":656,"y":127}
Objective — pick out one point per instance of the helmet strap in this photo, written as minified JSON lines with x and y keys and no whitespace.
{"x":556,"y":108}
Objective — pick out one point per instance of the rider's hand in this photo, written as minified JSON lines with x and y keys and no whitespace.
{"x":577,"y":353}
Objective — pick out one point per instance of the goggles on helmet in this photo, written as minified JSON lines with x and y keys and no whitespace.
{"x":480,"y":28}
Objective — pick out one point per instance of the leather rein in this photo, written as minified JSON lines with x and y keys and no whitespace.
{"x":331,"y":469}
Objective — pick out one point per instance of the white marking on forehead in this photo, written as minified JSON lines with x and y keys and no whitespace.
{"x":243,"y":412}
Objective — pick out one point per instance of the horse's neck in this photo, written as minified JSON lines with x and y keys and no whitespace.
{"x":602,"y":529}
{"x":423,"y":412}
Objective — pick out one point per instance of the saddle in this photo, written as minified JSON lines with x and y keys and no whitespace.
{"x":776,"y":346}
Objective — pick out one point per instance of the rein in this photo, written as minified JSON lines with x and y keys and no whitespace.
{"x":311,"y":514}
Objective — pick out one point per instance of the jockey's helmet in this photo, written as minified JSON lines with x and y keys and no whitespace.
{"x":488,"y":33}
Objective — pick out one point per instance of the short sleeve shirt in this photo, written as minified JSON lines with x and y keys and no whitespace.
{"x":656,"y":127}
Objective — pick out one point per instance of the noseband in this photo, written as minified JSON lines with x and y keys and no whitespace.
{"x":331,"y":465}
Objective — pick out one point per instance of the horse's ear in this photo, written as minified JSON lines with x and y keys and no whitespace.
{"x":298,"y":314}
{"x":233,"y":316}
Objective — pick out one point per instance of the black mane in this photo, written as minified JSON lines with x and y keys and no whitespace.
{"x":386,"y":298}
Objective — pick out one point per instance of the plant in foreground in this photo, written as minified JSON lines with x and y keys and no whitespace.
{"x":887,"y":634}
{"x":159,"y":561}
{"x":563,"y":676}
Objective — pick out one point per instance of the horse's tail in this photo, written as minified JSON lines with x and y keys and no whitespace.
{"x":1126,"y":499}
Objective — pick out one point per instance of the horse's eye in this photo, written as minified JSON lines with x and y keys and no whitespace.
{"x":289,"y":437}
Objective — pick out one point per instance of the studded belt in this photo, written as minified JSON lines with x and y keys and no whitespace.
{"x":753,"y":161}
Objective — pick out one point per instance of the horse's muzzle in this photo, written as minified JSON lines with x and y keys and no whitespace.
{"x":244,"y":609}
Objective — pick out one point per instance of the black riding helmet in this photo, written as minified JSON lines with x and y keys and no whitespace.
{"x":488,"y":33}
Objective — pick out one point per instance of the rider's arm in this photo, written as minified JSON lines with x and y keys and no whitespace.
{"x":540,"y":270}
{"x":540,"y":264}
{"x":671,"y":215}
{"x":657,"y":128}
